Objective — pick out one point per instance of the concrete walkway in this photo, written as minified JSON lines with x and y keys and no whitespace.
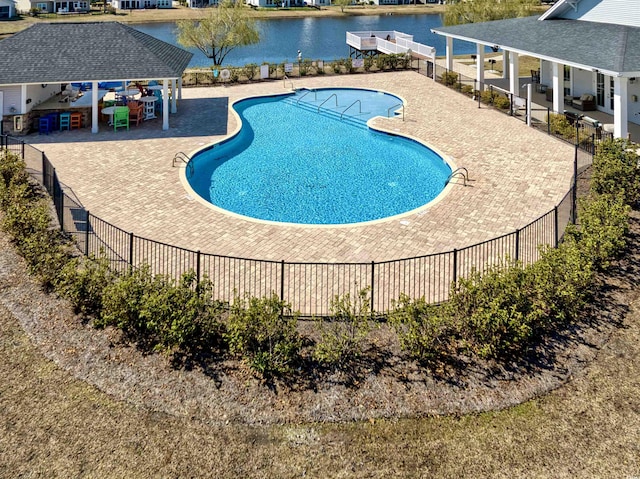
{"x":127,"y":178}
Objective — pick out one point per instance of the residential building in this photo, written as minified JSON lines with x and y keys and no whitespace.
{"x":586,"y":48}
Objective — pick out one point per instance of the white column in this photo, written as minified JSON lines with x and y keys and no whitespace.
{"x":514,"y":80}
{"x":480,"y":64}
{"x":165,"y":104}
{"x":174,"y":108}
{"x":449,"y":53}
{"x":506,"y":55}
{"x":94,"y":107}
{"x":180,"y":88}
{"x":620,"y":112}
{"x":557,"y":83}
{"x":23,"y":99}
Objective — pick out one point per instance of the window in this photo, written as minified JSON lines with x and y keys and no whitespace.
{"x":567,"y":73}
{"x":42,"y":7}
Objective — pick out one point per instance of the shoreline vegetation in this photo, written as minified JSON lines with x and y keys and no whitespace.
{"x":9,"y":27}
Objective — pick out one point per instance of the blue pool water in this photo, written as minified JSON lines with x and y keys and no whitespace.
{"x":289,"y":163}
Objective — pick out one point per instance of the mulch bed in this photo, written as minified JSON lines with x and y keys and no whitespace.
{"x":378,"y":386}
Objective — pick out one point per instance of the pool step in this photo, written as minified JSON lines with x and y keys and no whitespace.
{"x":335,"y":114}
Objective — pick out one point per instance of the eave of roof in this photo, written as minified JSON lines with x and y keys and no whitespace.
{"x":612,"y":49}
{"x":92,"y":51}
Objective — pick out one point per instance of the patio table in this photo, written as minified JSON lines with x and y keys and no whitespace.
{"x":149,"y":107}
{"x":109,"y":110}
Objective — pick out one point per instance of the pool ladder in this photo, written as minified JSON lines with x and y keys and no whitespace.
{"x":461,"y":172}
{"x":284,"y":81}
{"x":183,"y":158}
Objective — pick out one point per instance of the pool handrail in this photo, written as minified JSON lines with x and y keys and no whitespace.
{"x":284,"y":81}
{"x":306,"y":93}
{"x":395,"y":106}
{"x":344,"y":111}
{"x":332,"y":95}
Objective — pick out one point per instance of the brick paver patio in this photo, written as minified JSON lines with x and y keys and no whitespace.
{"x":127,"y":178}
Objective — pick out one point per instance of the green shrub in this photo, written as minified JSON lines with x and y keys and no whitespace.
{"x":615,"y":170}
{"x":449,"y":78}
{"x":488,"y":96}
{"x":156,"y":312}
{"x":492,"y":310}
{"x":343,"y":334}
{"x":604,"y":224}
{"x":502,"y":102}
{"x":250,"y":71}
{"x":425,"y":331}
{"x":559,"y":125}
{"x":467,"y":89}
{"x":562,"y":280}
{"x":28,"y":220}
{"x":305,"y":67}
{"x":263,"y":332}
{"x":82,"y":281}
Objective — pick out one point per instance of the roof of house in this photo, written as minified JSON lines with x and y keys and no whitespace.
{"x":98,"y":51}
{"x":607,"y":47}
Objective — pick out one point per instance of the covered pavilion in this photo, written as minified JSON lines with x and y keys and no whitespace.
{"x":37,"y":61}
{"x":585,"y":47}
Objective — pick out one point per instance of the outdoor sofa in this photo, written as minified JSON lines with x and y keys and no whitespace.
{"x":585,"y":102}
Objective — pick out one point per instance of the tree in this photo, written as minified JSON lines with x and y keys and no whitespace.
{"x":341,"y":3}
{"x":475,"y":11}
{"x":227,"y":26}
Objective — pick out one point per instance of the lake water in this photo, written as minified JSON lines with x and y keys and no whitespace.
{"x":317,"y":38}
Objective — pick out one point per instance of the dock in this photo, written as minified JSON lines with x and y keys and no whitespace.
{"x":372,"y":43}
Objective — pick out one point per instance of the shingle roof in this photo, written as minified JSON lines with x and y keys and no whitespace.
{"x":98,"y":51}
{"x":606,"y":47}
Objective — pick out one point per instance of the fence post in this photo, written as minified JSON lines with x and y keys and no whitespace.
{"x":510,"y":104}
{"x":282,"y":280}
{"x":455,"y":265}
{"x":517,"y":244}
{"x":61,"y":214}
{"x":548,"y":121}
{"x":479,"y":90}
{"x":86,"y":235}
{"x":44,"y":171}
{"x":373,"y":266}
{"x":198,"y":265}
{"x":574,"y":195}
{"x":130,"y":249}
{"x":555,"y":221}
{"x":23,"y":150}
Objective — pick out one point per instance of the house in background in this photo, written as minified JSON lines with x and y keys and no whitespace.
{"x":587,"y":48}
{"x":7,"y":9}
{"x":139,"y":4}
{"x":55,"y":6}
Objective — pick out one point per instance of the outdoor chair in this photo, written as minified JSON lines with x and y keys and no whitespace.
{"x":136,"y":112}
{"x":76,"y":120}
{"x":121,"y":117}
{"x":44,"y":125}
{"x":65,"y":121}
{"x":535,"y":76}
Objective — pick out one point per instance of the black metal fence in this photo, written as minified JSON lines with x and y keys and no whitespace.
{"x":308,"y":287}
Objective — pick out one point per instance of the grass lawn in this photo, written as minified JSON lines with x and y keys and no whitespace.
{"x":53,"y":425}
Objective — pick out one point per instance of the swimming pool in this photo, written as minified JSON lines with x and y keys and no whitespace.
{"x":296,"y":161}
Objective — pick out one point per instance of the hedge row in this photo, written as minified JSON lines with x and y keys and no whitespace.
{"x":498,"y":313}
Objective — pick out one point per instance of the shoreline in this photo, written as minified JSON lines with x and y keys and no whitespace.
{"x":184,"y":13}
{"x":10,"y":27}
